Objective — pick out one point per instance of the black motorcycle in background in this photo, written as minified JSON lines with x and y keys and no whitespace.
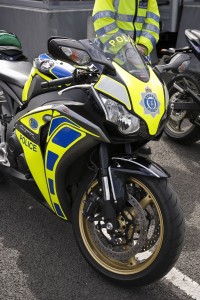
{"x":184,"y":91}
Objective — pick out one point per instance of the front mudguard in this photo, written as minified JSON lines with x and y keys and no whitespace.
{"x":138,"y":166}
{"x":122,"y":167}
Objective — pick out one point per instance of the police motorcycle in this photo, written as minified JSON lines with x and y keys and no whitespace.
{"x":71,"y":125}
{"x":184,"y":91}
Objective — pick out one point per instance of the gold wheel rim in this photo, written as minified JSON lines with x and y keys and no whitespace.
{"x":116,"y":266}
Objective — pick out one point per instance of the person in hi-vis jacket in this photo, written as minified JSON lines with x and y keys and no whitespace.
{"x":136,"y":18}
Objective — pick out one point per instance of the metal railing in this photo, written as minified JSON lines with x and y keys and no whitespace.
{"x":48,"y":4}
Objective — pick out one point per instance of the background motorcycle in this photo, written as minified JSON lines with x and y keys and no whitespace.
{"x":75,"y":151}
{"x":184,"y":118}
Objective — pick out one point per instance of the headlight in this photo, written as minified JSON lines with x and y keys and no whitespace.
{"x":117,"y":114}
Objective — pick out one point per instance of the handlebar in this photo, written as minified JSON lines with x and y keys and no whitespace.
{"x":57,"y":82}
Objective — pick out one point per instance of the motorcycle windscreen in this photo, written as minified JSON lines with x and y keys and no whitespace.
{"x":121,"y":49}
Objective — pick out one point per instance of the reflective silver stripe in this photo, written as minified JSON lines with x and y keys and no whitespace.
{"x":106,"y":29}
{"x":131,"y":32}
{"x":140,"y":19}
{"x":128,"y":32}
{"x":136,"y":163}
{"x":116,"y":4}
{"x":123,"y":17}
{"x":143,"y":4}
{"x":103,"y":14}
{"x":151,"y":27}
{"x":149,"y":36}
{"x":113,"y":88}
{"x":138,"y":33}
{"x":153,"y":16}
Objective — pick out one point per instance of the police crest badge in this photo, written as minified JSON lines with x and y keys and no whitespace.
{"x":150,"y":102}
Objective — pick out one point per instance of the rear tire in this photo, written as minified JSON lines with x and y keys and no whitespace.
{"x":180,"y":135}
{"x":163,"y":251}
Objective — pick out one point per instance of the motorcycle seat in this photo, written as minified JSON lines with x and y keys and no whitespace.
{"x":193,"y":35}
{"x":15,"y":72}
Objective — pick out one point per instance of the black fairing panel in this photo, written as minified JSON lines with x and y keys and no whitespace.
{"x":16,"y":89}
{"x":77,"y":95}
{"x":75,"y":158}
{"x":138,"y":166}
{"x":48,"y":98}
{"x":36,"y":89}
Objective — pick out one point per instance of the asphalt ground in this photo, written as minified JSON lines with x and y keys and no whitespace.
{"x":39,"y":259}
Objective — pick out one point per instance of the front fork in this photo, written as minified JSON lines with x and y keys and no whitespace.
{"x":109,"y":212}
{"x":113,"y":192}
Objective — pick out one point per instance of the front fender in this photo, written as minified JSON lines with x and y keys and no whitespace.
{"x":121,"y":167}
{"x":138,"y":166}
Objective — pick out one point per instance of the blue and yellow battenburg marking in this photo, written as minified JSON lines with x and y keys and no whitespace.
{"x":34,"y":120}
{"x":57,"y":68}
{"x":35,"y":162}
{"x":32,"y":151}
{"x":63,"y":134}
{"x":58,"y":120}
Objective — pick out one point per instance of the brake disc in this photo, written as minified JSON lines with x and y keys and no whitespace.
{"x":153,"y":229}
{"x":123,"y":252}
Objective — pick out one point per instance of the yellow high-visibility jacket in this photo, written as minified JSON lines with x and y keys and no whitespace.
{"x":137,"y":18}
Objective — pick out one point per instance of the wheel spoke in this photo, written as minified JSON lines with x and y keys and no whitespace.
{"x":185,"y":83}
{"x":175,"y":124}
{"x":145,"y":201}
{"x":132,"y":261}
{"x":178,"y":124}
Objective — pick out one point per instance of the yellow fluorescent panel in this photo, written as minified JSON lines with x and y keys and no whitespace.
{"x":35,"y":163}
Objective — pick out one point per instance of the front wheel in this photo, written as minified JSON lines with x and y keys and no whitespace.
{"x":180,"y":126}
{"x":149,"y":238}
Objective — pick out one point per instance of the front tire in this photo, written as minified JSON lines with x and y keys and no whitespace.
{"x":157,"y":237}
